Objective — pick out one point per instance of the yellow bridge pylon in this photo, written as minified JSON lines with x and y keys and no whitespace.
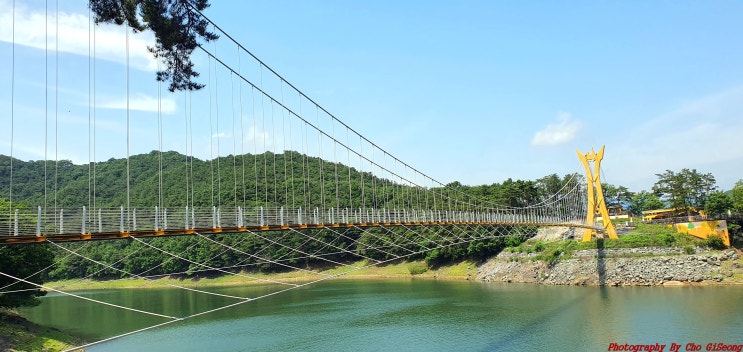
{"x":596,"y":201}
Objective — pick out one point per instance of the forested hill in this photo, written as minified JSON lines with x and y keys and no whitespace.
{"x":289,"y":178}
{"x":298,"y":177}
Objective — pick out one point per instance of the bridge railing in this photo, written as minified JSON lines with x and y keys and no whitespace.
{"x":156,"y":219}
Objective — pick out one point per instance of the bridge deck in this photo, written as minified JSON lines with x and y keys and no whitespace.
{"x":75,"y":237}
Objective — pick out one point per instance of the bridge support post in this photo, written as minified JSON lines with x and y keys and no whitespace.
{"x":84,"y":219}
{"x":38,"y":221}
{"x":596,"y":203}
{"x":15,"y":223}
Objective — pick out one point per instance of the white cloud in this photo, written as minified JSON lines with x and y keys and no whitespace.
{"x":140,"y":102}
{"x":557,"y":133}
{"x":34,"y":29}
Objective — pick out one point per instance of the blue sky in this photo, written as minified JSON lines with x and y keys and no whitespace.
{"x":469,"y":91}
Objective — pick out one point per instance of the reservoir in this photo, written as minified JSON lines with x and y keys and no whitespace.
{"x":405,"y":315}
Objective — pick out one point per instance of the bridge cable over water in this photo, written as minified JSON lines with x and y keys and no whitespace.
{"x":311,"y":190}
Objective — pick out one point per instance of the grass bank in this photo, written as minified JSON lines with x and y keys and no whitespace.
{"x":644,"y":235}
{"x":404,"y":270}
{"x":19,"y":334}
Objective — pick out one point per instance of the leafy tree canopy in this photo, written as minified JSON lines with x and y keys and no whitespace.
{"x":685,"y":189}
{"x":718,"y":203}
{"x":737,"y":196}
{"x":616,"y":195}
{"x":177,"y":28}
{"x":644,"y":200}
{"x":23,"y":262}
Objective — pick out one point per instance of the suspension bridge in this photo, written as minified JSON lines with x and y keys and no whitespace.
{"x":250,"y":159}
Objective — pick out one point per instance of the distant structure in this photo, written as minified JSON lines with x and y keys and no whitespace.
{"x":658,"y":215}
{"x":596,"y":203}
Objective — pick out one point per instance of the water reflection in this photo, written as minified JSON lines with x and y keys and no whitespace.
{"x":411,"y":315}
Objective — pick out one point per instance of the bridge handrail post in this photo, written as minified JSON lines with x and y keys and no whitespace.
{"x":84,"y":218}
{"x":214,"y":217}
{"x":240,"y":220}
{"x":185,"y":227}
{"x":121,"y":222}
{"x":134,"y":219}
{"x":157,"y":219}
{"x":299,"y":216}
{"x":38,"y":221}
{"x":281,"y":216}
{"x":261,"y":219}
{"x":15,"y":224}
{"x":61,"y":220}
{"x":165,"y":218}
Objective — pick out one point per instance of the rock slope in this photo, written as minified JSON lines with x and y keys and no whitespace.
{"x":618,"y":267}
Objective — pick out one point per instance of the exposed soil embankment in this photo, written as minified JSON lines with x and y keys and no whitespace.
{"x":618,"y":267}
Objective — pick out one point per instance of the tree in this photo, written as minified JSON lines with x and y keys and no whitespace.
{"x":718,"y":203}
{"x":548,"y":186}
{"x":616,"y":195}
{"x":644,"y":200}
{"x":23,"y":262}
{"x":686,"y":189}
{"x":177,"y":26}
{"x":737,"y":196}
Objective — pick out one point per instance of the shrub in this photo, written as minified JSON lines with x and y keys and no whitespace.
{"x":715,"y":242}
{"x":416,"y":268}
{"x":688,"y":249}
{"x":539,"y":246}
{"x":513,"y":241}
{"x":636,"y":240}
{"x":667,"y":239}
{"x":554,"y":256}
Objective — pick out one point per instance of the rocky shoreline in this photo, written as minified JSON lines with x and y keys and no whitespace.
{"x":652,"y":266}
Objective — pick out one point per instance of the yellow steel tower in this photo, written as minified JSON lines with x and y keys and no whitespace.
{"x":596,"y":201}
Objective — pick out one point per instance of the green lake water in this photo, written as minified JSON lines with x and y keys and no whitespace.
{"x":405,"y":315}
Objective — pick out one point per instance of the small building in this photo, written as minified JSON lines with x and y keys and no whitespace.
{"x":616,"y":212}
{"x":659,"y":214}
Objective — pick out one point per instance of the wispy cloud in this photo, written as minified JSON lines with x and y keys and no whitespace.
{"x":72,"y":33}
{"x":140,"y":102}
{"x":557,"y":133}
{"x":702,"y":133}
